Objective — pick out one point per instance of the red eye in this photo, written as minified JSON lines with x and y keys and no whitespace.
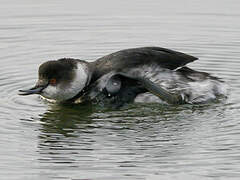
{"x":53,"y":81}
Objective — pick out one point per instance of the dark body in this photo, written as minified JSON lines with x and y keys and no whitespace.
{"x":140,"y":70}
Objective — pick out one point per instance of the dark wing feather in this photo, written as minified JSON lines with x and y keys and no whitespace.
{"x":129,"y":58}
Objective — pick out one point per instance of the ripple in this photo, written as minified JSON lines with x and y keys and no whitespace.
{"x":139,"y":141}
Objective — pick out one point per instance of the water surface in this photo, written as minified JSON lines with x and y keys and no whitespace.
{"x":40,"y":140}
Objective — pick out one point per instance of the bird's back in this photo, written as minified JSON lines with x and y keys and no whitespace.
{"x":136,"y":57}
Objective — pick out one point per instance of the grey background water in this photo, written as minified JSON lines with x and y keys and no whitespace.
{"x":39,"y":140}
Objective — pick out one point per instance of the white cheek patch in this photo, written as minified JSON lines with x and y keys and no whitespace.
{"x":50,"y":92}
{"x":63,"y":92}
{"x":81,"y":77}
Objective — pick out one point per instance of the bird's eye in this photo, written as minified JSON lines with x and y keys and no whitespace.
{"x":53,"y":81}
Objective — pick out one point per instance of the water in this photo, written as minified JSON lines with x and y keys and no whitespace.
{"x":39,"y":140}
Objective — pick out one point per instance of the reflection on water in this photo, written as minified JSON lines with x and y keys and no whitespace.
{"x":62,"y":119}
{"x":79,"y":137}
{"x":40,"y":140}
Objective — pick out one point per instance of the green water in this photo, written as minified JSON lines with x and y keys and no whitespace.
{"x":40,"y":140}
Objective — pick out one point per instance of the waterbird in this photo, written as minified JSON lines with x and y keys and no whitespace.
{"x":142,"y":74}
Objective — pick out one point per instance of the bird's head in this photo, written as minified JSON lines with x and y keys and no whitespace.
{"x":60,"y":80}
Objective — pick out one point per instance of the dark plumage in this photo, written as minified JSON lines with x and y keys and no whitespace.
{"x":61,"y":69}
{"x":127,"y":75}
{"x":131,"y":58}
